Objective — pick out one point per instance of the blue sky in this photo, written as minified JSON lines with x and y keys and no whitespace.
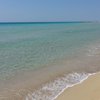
{"x":49,"y":10}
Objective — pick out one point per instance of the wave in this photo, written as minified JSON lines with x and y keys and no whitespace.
{"x":52,"y":90}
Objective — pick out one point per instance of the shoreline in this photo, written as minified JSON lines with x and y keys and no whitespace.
{"x":71,"y":86}
{"x":85,"y":89}
{"x":52,"y":90}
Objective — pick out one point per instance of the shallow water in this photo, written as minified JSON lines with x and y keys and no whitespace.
{"x":38,"y":53}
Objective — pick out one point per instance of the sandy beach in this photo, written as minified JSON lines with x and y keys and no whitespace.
{"x":87,"y":90}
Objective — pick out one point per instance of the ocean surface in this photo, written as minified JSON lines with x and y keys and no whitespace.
{"x":39,"y":60}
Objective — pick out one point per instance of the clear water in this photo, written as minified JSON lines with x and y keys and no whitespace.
{"x":30,"y":46}
{"x":33,"y":46}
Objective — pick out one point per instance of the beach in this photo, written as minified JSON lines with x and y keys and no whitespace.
{"x":40,"y":60}
{"x":87,"y":90}
{"x":49,"y":50}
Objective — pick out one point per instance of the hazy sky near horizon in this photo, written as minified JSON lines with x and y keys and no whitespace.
{"x":49,"y":10}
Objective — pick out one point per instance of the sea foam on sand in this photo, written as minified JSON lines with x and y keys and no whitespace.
{"x":52,"y":90}
{"x":87,"y":90}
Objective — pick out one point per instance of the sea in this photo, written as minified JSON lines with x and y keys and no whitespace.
{"x":39,"y":60}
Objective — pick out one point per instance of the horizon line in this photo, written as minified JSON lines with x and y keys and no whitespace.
{"x":12,"y":22}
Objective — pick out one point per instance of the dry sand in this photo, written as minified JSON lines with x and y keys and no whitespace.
{"x":87,"y":90}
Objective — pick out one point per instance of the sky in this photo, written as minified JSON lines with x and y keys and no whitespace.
{"x":49,"y":10}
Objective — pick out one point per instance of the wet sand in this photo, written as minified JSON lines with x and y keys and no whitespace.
{"x":87,"y":90}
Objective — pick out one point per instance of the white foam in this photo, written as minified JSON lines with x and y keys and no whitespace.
{"x":52,"y":90}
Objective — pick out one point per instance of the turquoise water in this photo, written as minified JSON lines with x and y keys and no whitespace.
{"x":25,"y":46}
{"x":50,"y":56}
